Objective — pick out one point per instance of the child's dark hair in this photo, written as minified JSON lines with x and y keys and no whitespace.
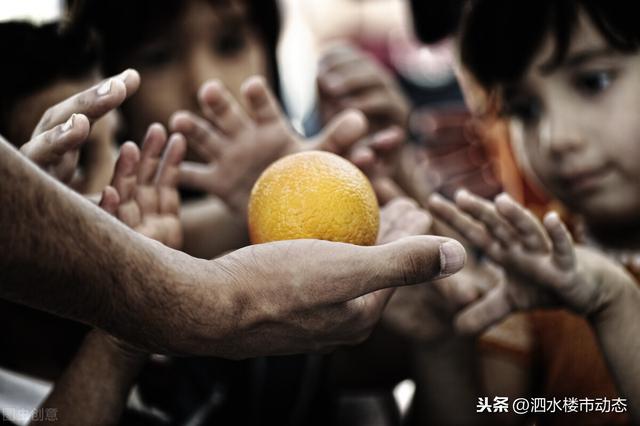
{"x":121,"y":25}
{"x":500,"y":38}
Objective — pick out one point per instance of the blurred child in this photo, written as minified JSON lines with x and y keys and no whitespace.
{"x":567,"y":77}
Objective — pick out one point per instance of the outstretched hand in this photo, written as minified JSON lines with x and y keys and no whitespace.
{"x":543,"y":266}
{"x":143,"y":193}
{"x":64,"y":128}
{"x":236,"y":144}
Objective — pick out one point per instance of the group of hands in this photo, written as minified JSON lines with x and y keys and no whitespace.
{"x":527,"y":263}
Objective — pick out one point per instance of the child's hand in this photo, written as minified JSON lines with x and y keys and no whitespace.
{"x":65,"y":127}
{"x":57,"y":150}
{"x":543,"y":267}
{"x":348,"y":78}
{"x":402,"y":218}
{"x":143,"y":193}
{"x":237,"y":144}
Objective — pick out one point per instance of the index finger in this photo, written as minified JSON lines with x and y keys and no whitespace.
{"x":94,"y":102}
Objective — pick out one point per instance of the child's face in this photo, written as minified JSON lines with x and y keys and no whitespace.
{"x":577,"y":126}
{"x":205,"y":42}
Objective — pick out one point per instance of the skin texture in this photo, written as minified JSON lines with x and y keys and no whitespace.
{"x":545,"y":269}
{"x":94,"y":388}
{"x":252,"y":302}
{"x":143,"y":195}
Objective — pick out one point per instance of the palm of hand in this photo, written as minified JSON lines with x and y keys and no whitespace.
{"x":145,"y":186}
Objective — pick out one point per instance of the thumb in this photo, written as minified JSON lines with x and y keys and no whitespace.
{"x":352,"y":271}
{"x":342,"y":132}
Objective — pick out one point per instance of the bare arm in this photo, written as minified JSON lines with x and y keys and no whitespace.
{"x":545,"y":268}
{"x":94,"y":388}
{"x":64,"y":255}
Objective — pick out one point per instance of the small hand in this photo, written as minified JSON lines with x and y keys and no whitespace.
{"x":237,"y":144}
{"x":143,"y":193}
{"x":65,"y":127}
{"x":543,"y":268}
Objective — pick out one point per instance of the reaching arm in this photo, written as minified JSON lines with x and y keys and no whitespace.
{"x":64,"y":255}
{"x":545,"y":268}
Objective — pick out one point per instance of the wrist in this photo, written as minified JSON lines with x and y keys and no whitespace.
{"x":616,"y":293}
{"x":116,"y":349}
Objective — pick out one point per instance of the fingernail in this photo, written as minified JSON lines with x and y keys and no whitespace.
{"x":553,"y":216}
{"x":460,"y":193}
{"x":504,"y":197}
{"x":105,"y":88}
{"x":452,"y":257}
{"x":436,"y":198}
{"x":68,"y":125}
{"x":123,"y":76}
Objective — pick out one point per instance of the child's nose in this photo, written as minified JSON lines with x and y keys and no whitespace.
{"x":560,"y":135}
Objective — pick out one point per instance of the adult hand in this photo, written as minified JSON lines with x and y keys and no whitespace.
{"x":278,"y":302}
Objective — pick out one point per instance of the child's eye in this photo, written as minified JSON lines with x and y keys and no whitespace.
{"x":229,"y":42}
{"x":592,"y":83}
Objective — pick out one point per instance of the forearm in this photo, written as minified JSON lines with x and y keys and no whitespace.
{"x":62,"y":254}
{"x":94,"y":388}
{"x":211,"y":229}
{"x":616,"y":328}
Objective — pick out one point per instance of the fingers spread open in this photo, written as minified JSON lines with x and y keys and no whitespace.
{"x":201,"y":136}
{"x":532,"y":234}
{"x":563,"y":250}
{"x":468,"y":227}
{"x":94,"y":102}
{"x":343,"y":132}
{"x":48,"y":147}
{"x":263,"y":106}
{"x":219,"y":106}
{"x":485,"y":212}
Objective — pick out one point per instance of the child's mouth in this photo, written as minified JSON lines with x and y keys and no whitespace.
{"x":584,"y":181}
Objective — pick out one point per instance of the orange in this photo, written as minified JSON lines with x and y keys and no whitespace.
{"x":315,"y":195}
